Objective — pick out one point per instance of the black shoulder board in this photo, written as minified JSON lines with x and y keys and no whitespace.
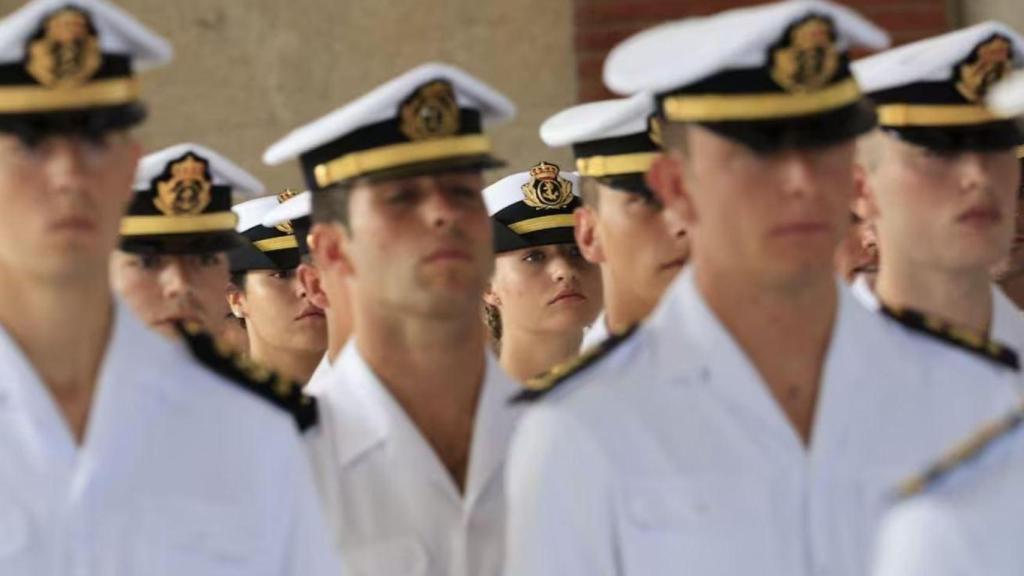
{"x":538,"y":386}
{"x":279,"y":391}
{"x":964,"y":339}
{"x":963,"y":453}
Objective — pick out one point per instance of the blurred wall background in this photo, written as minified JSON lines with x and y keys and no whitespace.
{"x":248,"y":71}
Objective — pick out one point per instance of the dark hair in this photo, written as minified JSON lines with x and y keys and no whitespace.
{"x":90,"y":124}
{"x":331,"y":204}
{"x":238,"y":279}
{"x":492,"y":319}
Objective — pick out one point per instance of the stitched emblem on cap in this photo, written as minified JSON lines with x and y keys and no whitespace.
{"x":808,"y":59}
{"x":187,"y":190}
{"x":65,"y":52}
{"x":431,"y":112}
{"x":989,"y":62}
{"x":546,"y":190}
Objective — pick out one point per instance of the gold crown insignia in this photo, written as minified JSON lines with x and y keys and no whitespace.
{"x":808,"y":59}
{"x":286,"y":226}
{"x":66,"y":52}
{"x":988,"y":63}
{"x":546,"y":190}
{"x":187,"y":190}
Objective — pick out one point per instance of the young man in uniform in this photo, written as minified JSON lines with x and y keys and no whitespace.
{"x":621,"y":225}
{"x":416,"y":415}
{"x":172,"y":264}
{"x":758,"y":420}
{"x":940,"y":179}
{"x":121,"y":454}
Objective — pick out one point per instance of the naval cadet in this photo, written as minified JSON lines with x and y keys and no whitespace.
{"x":122,"y":454}
{"x":172,"y":265}
{"x":543,"y":293}
{"x":286,"y":329}
{"x":940,"y":179}
{"x":621,"y":225}
{"x":331,"y":297}
{"x":757,"y":421}
{"x":416,"y":418}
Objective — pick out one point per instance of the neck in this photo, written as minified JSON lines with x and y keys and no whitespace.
{"x":63,"y":328}
{"x":623,"y":307}
{"x":756,"y":313}
{"x":963,"y":297}
{"x":434,"y":368}
{"x":525,"y":354}
{"x":296,"y":365}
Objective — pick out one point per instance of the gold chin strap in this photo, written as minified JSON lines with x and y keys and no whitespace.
{"x":739,"y":107}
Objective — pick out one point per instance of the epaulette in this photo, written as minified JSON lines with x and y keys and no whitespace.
{"x":945,"y":332}
{"x":537,"y":387}
{"x":962,"y":453}
{"x":278,"y":390}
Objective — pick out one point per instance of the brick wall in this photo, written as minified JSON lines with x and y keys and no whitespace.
{"x":600,"y":24}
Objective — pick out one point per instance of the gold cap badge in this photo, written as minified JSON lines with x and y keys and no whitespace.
{"x":546,"y":190}
{"x":809,"y":59}
{"x":431,"y":112}
{"x":187,"y":191}
{"x":989,"y":63}
{"x":286,"y":226}
{"x":66,"y":52}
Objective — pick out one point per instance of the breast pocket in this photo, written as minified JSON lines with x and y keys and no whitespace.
{"x":709,"y":526}
{"x":197,"y":539}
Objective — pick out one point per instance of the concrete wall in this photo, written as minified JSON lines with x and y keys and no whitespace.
{"x":247,"y":71}
{"x":1009,"y":11}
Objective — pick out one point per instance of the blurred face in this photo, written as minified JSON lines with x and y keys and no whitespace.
{"x":63,"y":199}
{"x":858,"y":253}
{"x":164,"y":289}
{"x":278,"y":312}
{"x":420,"y":245}
{"x":776,"y":218}
{"x":1013,"y":265}
{"x":545,"y":289}
{"x":641,"y":248}
{"x":950,"y":211}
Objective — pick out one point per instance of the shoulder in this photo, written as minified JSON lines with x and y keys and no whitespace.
{"x":542,"y":385}
{"x":945,"y":333}
{"x":966,"y":452}
{"x":280,"y":392}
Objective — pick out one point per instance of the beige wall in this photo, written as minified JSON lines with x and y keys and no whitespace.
{"x":248,"y":71}
{"x":1009,"y":11}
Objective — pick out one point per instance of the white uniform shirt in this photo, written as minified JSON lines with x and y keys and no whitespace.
{"x":969,"y":525}
{"x":595,"y":334}
{"x":394,"y":508}
{"x":180,"y":472}
{"x":671,"y":456}
{"x":1007,"y":321}
{"x":320,"y":379}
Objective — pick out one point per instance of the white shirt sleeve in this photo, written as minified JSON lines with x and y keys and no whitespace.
{"x":919,"y":538}
{"x":560,"y":501}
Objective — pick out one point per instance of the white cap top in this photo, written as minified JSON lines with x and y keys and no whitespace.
{"x":931,"y":60}
{"x":223,"y":172}
{"x":251,"y":212}
{"x":383,"y":102}
{"x":118,"y":32}
{"x":680,"y":53}
{"x":1007,"y":97}
{"x":598,"y":120}
{"x":298,"y":206}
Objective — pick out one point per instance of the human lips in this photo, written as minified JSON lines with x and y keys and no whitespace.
{"x":310,"y":312}
{"x":980,"y":216}
{"x":569,"y":294}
